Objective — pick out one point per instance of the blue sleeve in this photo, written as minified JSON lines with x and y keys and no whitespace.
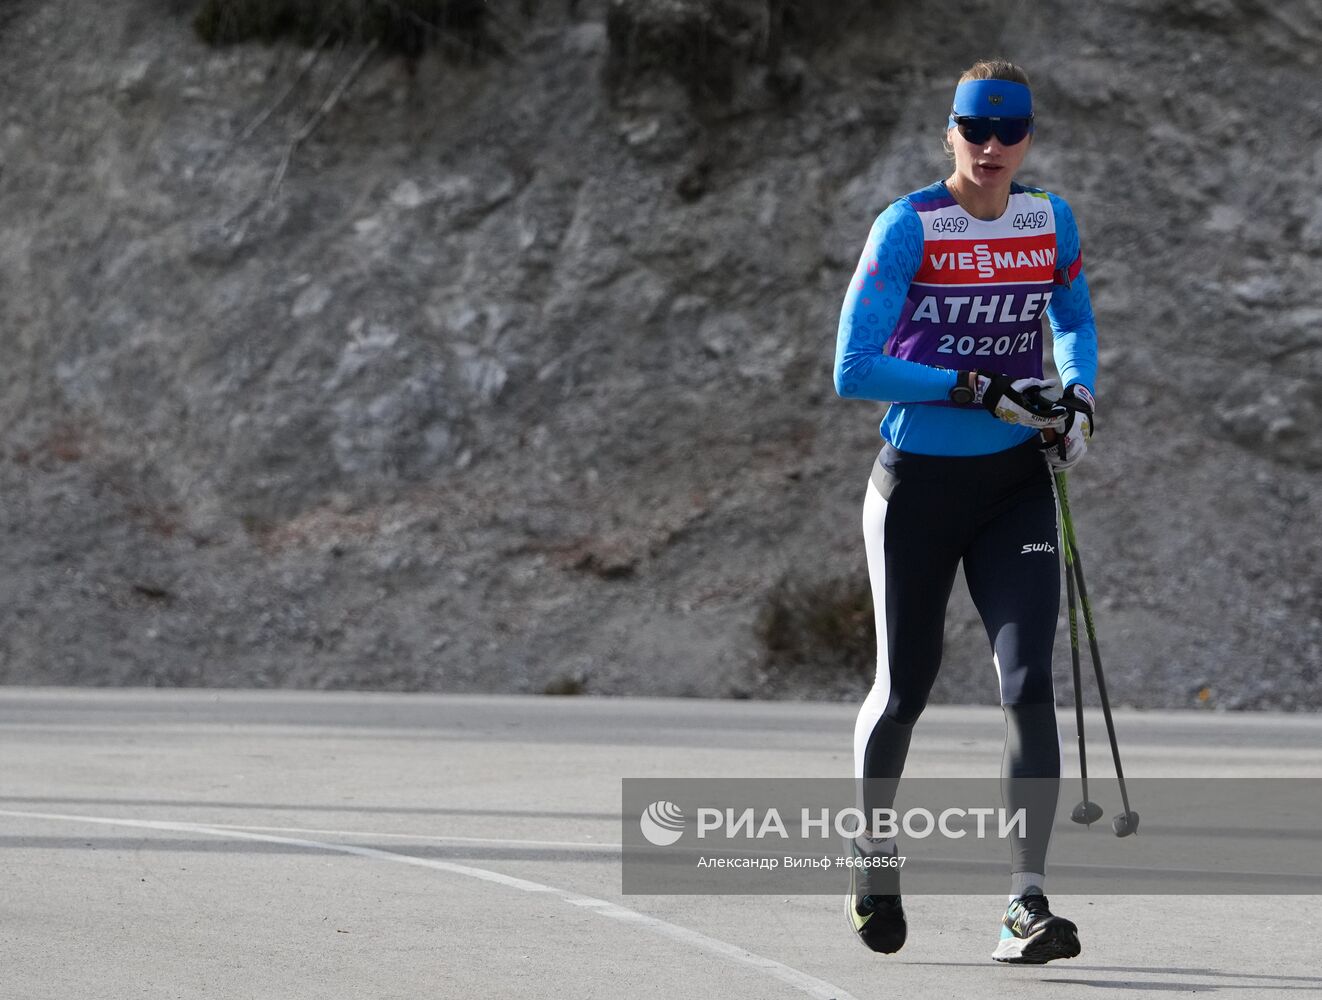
{"x":1073,"y":331}
{"x":876,"y":296}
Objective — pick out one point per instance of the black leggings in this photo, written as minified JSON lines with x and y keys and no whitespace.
{"x":923,"y":515}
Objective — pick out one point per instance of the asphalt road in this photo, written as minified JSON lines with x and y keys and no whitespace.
{"x":295,"y":845}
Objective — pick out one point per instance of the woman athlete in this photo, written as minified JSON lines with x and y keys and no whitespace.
{"x":944,"y":321}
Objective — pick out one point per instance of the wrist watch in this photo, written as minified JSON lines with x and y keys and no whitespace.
{"x":961,"y":394}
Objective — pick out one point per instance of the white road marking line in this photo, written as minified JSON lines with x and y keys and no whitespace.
{"x":809,"y":985}
{"x":585,"y":845}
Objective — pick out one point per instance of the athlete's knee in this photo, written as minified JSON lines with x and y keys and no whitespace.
{"x":1027,"y":684}
{"x":1037,"y":714}
{"x":905,"y":709}
{"x":893,"y":700}
{"x":1038,"y":704}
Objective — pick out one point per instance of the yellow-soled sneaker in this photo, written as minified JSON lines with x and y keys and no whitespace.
{"x":876,"y":917}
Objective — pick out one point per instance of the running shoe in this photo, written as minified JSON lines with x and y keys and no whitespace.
{"x":877,"y":919}
{"x":1032,"y":935}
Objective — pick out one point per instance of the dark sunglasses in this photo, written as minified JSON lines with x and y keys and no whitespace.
{"x":977,"y":130}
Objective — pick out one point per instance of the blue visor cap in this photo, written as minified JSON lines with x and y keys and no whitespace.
{"x":992,"y":99}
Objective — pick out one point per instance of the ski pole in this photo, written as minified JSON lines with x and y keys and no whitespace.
{"x":1127,"y":822}
{"x":1086,"y":811}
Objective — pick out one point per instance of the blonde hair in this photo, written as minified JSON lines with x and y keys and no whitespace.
{"x":987,"y":69}
{"x":995,"y":69}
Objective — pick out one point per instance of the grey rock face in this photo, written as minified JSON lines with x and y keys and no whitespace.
{"x":519,"y":378}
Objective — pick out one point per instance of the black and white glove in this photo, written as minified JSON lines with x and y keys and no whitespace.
{"x":1080,"y":400}
{"x":1065,"y":451}
{"x":1021,"y":401}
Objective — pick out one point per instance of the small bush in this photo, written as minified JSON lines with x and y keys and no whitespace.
{"x":823,"y":628}
{"x":689,"y":40}
{"x":810,"y":23}
{"x":707,"y":44}
{"x":566,"y":685}
{"x":407,"y":27}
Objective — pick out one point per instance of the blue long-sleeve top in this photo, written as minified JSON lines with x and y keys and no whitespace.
{"x":865,"y":370}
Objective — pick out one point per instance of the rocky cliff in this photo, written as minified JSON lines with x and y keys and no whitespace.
{"x":329,"y":366}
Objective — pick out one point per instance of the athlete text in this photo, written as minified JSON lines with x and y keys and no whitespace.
{"x":1012,"y":307}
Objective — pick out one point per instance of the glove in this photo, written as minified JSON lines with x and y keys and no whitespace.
{"x":1064,"y":450}
{"x":1068,"y":447}
{"x":1078,"y":399}
{"x":1020,"y":401}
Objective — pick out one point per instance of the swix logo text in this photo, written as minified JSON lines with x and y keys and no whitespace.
{"x":1037,"y":547}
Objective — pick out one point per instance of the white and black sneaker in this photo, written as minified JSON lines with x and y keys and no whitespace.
{"x":1032,"y":935}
